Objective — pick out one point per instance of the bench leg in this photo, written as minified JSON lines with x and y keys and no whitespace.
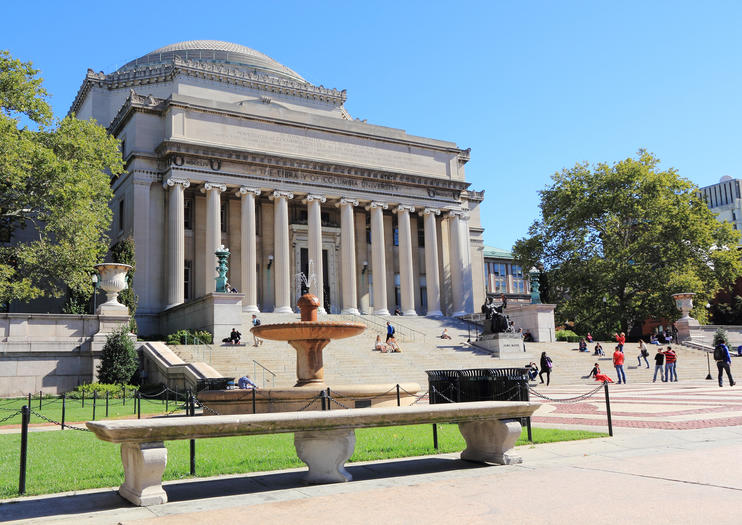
{"x":325,"y":453}
{"x":144,"y":464}
{"x":489,"y":441}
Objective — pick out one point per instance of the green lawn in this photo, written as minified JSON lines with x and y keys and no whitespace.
{"x":68,"y":460}
{"x":75,"y":412}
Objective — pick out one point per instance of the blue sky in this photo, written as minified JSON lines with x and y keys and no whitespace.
{"x":531,"y":86}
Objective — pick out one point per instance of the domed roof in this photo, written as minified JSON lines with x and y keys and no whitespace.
{"x":216,"y":52}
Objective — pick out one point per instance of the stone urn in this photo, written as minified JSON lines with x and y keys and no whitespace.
{"x":684,"y":302}
{"x":112,"y":281}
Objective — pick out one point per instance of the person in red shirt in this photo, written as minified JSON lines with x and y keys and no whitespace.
{"x":671,"y":358}
{"x":618,"y":364}
{"x":621,"y":340}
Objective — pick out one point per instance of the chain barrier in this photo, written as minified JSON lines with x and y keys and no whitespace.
{"x":311,"y":402}
{"x":10,"y":416}
{"x":575,"y":399}
{"x":341,"y":396}
{"x":445,"y":397}
{"x":10,"y":409}
{"x":184,"y":406}
{"x":49,"y":420}
{"x":209,"y":409}
{"x":153,"y":396}
{"x":337,"y":402}
{"x":421,"y":397}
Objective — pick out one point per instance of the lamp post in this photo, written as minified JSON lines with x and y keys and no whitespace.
{"x":94,"y":278}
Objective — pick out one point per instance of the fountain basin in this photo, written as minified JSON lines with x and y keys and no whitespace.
{"x":320,"y":330}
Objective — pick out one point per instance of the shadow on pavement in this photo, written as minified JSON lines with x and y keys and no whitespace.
{"x":182,"y":491}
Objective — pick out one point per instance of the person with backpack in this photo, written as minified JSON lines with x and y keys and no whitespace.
{"x":389,"y":331}
{"x":546,"y":366}
{"x":256,"y":322}
{"x":643,"y":353}
{"x":723,"y":360}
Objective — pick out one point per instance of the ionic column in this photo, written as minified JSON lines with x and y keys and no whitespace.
{"x":175,"y":241}
{"x":458,"y":266}
{"x":316,"y":277}
{"x":213,"y":232}
{"x":432,"y":278}
{"x":281,"y":251}
{"x":378,"y":257}
{"x":406,"y":286}
{"x":248,"y":255}
{"x":348,"y":256}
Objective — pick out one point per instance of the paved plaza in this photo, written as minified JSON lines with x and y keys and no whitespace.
{"x":674,"y":458}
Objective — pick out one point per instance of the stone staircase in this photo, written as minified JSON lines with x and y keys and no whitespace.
{"x":352,"y":360}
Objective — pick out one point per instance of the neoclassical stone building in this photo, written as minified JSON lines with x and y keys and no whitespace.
{"x":225,"y":146}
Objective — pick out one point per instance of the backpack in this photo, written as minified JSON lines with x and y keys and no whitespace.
{"x":719,"y":353}
{"x":256,"y":322}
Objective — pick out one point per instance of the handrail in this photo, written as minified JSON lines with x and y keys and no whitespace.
{"x":272,"y":380}
{"x":404,"y":333}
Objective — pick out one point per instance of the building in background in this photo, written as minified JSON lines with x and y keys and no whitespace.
{"x":502,"y":275}
{"x":723,"y":198}
{"x":225,"y":146}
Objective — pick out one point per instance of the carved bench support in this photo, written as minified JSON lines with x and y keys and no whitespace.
{"x":490,"y":440}
{"x":325,"y":453}
{"x":144,"y":464}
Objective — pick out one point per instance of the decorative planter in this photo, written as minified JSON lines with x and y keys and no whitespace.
{"x":684,"y":302}
{"x":112,"y":281}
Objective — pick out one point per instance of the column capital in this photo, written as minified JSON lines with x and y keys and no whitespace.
{"x":313,"y":197}
{"x":459,"y":214}
{"x":281,"y":194}
{"x":377,"y":204}
{"x":429,"y":211}
{"x":172,"y":181}
{"x":244,"y":190}
{"x":404,"y":208}
{"x":345,"y":200}
{"x":208,"y":186}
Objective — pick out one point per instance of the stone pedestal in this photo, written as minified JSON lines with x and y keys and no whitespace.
{"x":501,"y":345}
{"x":325,"y":453}
{"x":144,"y":464}
{"x":216,"y":312}
{"x":685,"y":326}
{"x":489,"y":441}
{"x":538,"y":319}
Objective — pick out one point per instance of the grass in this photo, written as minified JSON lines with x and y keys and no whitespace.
{"x":72,"y":460}
{"x":75,"y":412}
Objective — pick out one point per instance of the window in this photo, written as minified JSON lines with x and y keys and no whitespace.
{"x":496,"y":277}
{"x":224,"y":214}
{"x":420,"y":235}
{"x":519,"y":285}
{"x":188,"y":214}
{"x":187,"y":279}
{"x":121,"y":215}
{"x":396,"y":236}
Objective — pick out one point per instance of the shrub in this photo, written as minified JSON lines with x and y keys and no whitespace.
{"x":720,"y":336}
{"x":119,"y":359}
{"x":189,"y":337}
{"x":567,"y":335}
{"x":114,"y":391}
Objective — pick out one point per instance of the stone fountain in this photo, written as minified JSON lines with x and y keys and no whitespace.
{"x":308,"y":337}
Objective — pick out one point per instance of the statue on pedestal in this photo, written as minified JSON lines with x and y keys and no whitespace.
{"x":222,"y":254}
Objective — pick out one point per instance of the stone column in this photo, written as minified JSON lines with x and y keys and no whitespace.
{"x":378,"y":257}
{"x":248,"y":255}
{"x":348,"y":256}
{"x":432,"y":277}
{"x":213,"y":232}
{"x":175,"y":242}
{"x":316,"y":275}
{"x":281,"y":251}
{"x":457,"y":263}
{"x":406,"y":286}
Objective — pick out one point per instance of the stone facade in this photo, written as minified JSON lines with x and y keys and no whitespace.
{"x":225,"y":146}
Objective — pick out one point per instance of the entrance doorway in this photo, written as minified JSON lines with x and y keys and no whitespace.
{"x":304,"y":265}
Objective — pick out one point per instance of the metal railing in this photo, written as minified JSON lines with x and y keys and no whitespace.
{"x":403,"y":333}
{"x":263,"y":369}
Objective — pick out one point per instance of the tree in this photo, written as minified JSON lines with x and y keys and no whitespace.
{"x":618,"y":240}
{"x":54,"y":191}
{"x":119,"y":360}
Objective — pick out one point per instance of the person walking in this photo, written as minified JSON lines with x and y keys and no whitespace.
{"x":546,"y":366}
{"x":671,"y":359}
{"x":389,"y":331}
{"x":256,"y":322}
{"x":659,"y":362}
{"x":618,"y":365}
{"x":643,"y":352}
{"x":723,"y":360}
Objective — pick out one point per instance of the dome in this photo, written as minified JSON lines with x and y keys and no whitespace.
{"x":216,"y":52}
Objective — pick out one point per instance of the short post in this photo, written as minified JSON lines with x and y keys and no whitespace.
{"x":40,"y":394}
{"x":167,"y":399}
{"x":253,"y":400}
{"x":123,"y":395}
{"x":25,"y":417}
{"x":83,"y":399}
{"x":95,"y":398}
{"x":329,"y":397}
{"x":608,"y":409}
{"x":139,"y":405}
{"x":398,"y":400}
{"x":64,"y":408}
{"x":192,"y":412}
{"x":134,"y":398}
{"x":323,"y":399}
{"x":435,"y":436}
{"x":106,"y":403}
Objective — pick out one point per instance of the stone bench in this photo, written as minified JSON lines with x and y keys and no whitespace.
{"x":323,"y":440}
